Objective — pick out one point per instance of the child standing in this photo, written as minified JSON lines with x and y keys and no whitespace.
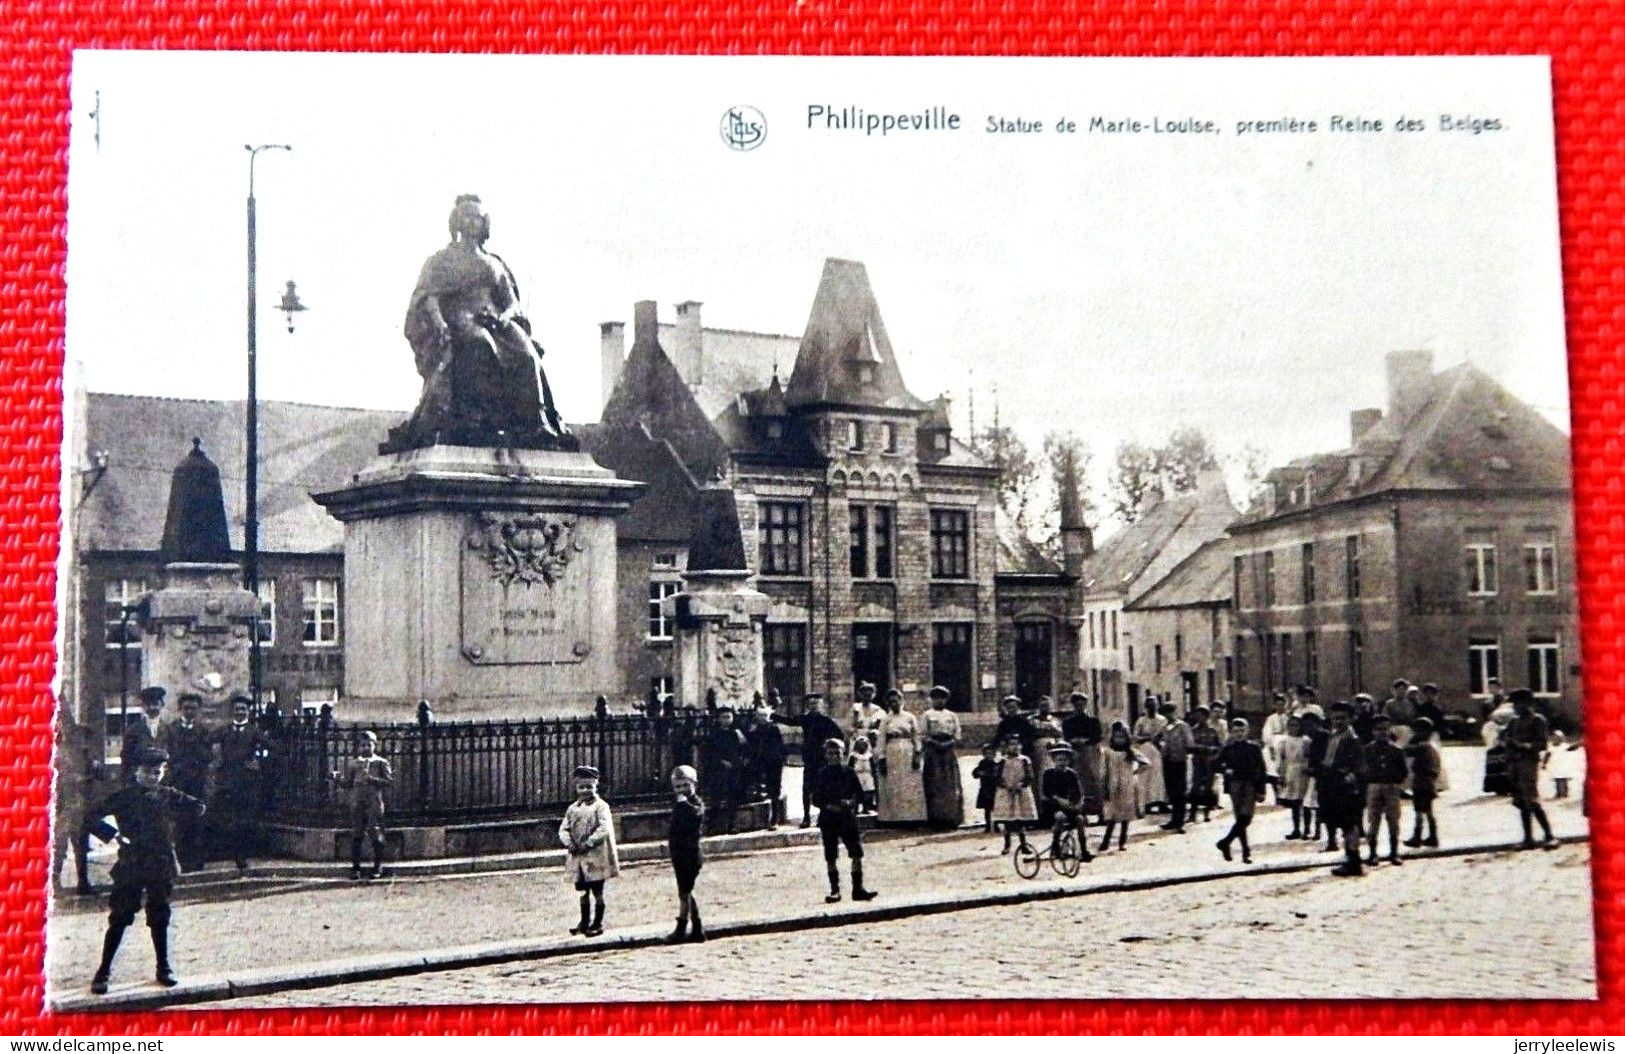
{"x":1385,"y":781}
{"x":588,"y":834}
{"x":1561,"y":764}
{"x":1013,"y":804}
{"x":836,"y":794}
{"x":1241,"y":763}
{"x":146,"y":858}
{"x":683,"y":849}
{"x":365,"y":776}
{"x":862,"y":763}
{"x":986,"y":775}
{"x":1292,"y":759}
{"x":1426,"y":764}
{"x":1119,"y":785}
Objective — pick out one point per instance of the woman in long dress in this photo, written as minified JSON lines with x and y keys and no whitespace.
{"x":902,"y":791}
{"x":1147,"y":739}
{"x":944,"y":793}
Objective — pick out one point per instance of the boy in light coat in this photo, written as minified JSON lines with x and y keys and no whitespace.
{"x":588,"y":834}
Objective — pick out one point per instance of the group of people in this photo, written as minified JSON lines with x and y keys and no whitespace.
{"x":587,"y":833}
{"x":906,"y":764}
{"x":1345,"y":769}
{"x":174,"y":775}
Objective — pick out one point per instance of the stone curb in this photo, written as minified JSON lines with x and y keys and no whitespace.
{"x":401,"y":964}
{"x":224,"y":884}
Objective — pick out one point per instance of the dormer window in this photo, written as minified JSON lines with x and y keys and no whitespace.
{"x":775,"y":429}
{"x":854,"y":435}
{"x":939,"y":442}
{"x":866,"y":373}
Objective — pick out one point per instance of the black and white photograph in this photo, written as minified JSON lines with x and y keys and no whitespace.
{"x":589,"y":529}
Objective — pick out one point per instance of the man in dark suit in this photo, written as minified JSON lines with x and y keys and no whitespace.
{"x":817,"y":728}
{"x":240,"y":755}
{"x":188,"y":745}
{"x":1339,"y":770}
{"x":141,"y":733}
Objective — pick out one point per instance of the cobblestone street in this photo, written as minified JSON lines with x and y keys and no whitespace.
{"x":1267,"y":937}
{"x":1437,"y":904}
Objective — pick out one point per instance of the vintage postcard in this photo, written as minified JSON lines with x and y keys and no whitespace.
{"x":583,"y":529}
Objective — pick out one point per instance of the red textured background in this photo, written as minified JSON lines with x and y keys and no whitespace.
{"x":1588,"y":51}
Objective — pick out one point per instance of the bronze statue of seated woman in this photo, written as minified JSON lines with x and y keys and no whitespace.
{"x":483,"y":383}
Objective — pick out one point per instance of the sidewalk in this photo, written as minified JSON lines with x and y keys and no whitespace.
{"x":331,"y":931}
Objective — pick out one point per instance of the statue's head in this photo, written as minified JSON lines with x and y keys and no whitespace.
{"x":469,"y":220}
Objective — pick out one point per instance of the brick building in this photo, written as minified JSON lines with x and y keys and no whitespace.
{"x":870,"y":525}
{"x":116,"y":505}
{"x":1438,"y":546}
{"x":1125,"y":567}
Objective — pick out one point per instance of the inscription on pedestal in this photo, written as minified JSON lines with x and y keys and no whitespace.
{"x":525,"y":596}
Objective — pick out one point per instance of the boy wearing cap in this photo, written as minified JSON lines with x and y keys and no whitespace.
{"x":836,"y":795}
{"x":1241,"y":763}
{"x":240,"y":753}
{"x":146,"y":865}
{"x":186,"y":742}
{"x":1386,"y":772}
{"x":588,"y":834}
{"x":365,"y":776}
{"x":1060,"y":797}
{"x":144,"y":733}
{"x":683,"y":850}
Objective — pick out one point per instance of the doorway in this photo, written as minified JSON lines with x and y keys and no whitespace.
{"x":952,"y":662}
{"x":871,"y":656}
{"x":1035,"y":650}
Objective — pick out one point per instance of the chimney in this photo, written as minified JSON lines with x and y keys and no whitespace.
{"x":1408,"y":375}
{"x":1361,"y":422}
{"x":645,"y":324}
{"x":612,"y":353}
{"x":689,"y":354}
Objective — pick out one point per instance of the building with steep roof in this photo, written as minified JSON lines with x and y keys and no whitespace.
{"x":868,"y":523}
{"x":1438,"y":546}
{"x":116,"y":522}
{"x":1125,"y":567}
{"x":1180,"y":628}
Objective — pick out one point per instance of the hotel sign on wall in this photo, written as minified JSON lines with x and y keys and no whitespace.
{"x":523,"y":593}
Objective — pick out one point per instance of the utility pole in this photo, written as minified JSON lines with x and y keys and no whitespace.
{"x":251,"y":521}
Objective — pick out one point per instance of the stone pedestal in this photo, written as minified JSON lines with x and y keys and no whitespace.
{"x":195,"y":633}
{"x":720,"y":617}
{"x":481,"y":580}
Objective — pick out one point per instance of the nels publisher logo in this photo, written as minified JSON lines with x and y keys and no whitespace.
{"x":743,"y":127}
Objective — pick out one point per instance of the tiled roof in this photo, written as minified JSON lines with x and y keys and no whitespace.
{"x":662,"y":512}
{"x":1139,"y":555}
{"x":846,"y":341}
{"x":733,"y":361}
{"x":1020,"y":555}
{"x":302,"y":448}
{"x":1201,"y":578}
{"x":1467,"y":433}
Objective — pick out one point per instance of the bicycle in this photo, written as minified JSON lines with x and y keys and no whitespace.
{"x":1064,"y":853}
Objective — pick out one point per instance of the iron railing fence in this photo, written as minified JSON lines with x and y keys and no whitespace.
{"x":473,"y":770}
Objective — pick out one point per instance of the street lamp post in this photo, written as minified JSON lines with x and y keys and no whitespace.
{"x":251,"y":522}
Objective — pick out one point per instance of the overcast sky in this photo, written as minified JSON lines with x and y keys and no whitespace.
{"x":1117,"y":286}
